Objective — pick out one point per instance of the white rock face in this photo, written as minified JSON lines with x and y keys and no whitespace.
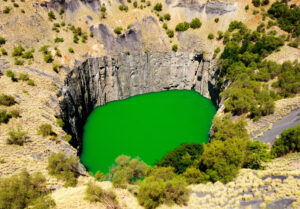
{"x":104,"y":79}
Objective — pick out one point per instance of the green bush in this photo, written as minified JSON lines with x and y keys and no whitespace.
{"x":25,"y":191}
{"x":165,"y":26}
{"x":68,"y":137}
{"x":64,"y":168}
{"x":60,"y":122}
{"x":3,"y":51}
{"x":6,"y":10}
{"x":182,"y":26}
{"x":210,"y":36}
{"x":14,"y":113}
{"x":16,"y":136}
{"x":247,"y":7}
{"x":45,"y":130}
{"x":195,"y":176}
{"x":195,"y":23}
{"x":27,"y":54}
{"x":11,"y":75}
{"x":135,"y":4}
{"x":127,"y":171}
{"x":48,"y":58}
{"x":23,"y":77}
{"x":15,"y":4}
{"x":51,"y":15}
{"x":95,"y":193}
{"x":170,"y":33}
{"x":118,"y":30}
{"x":2,"y":40}
{"x":182,"y":157}
{"x":18,"y":61}
{"x":71,"y":50}
{"x":256,"y":3}
{"x":216,"y":52}
{"x":175,"y":48}
{"x":57,"y":40}
{"x":99,"y":176}
{"x":7,"y":100}
{"x":167,"y":17}
{"x":30,"y":82}
{"x":257,"y":153}
{"x":18,"y":51}
{"x":289,"y":141}
{"x":4,"y":116}
{"x":163,"y":186}
{"x":158,"y":7}
{"x":123,"y":8}
{"x":217,"y":20}
{"x":61,"y":11}
{"x":294,"y":44}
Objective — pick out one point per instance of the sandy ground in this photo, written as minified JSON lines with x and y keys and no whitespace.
{"x":288,"y":121}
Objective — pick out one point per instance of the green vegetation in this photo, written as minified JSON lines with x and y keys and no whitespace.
{"x":127,"y":171}
{"x":258,"y":152}
{"x":18,"y":51}
{"x":61,"y":11}
{"x":167,"y":17}
{"x":47,"y":54}
{"x":95,"y":193}
{"x":60,"y":122}
{"x":51,"y":16}
{"x":162,"y":186}
{"x":7,"y":100}
{"x":11,"y":75}
{"x":30,"y":82}
{"x":64,"y":168}
{"x":135,"y":4}
{"x":216,"y":52}
{"x":289,"y":141}
{"x":195,"y":23}
{"x":3,"y":51}
{"x":45,"y":130}
{"x":170,"y":33}
{"x":294,"y":44}
{"x":118,"y":30}
{"x":99,"y":176}
{"x":28,"y":54}
{"x":2,"y":41}
{"x":123,"y":8}
{"x":217,"y":20}
{"x":25,"y":191}
{"x":5,"y":116}
{"x":288,"y":18}
{"x":18,"y":61}
{"x":182,"y":157}
{"x":182,"y":26}
{"x":175,"y":48}
{"x":6,"y":10}
{"x":16,"y":136}
{"x":158,"y":7}
{"x":71,"y":50}
{"x":247,"y":7}
{"x":256,"y":3}
{"x":57,"y":40}
{"x":210,"y":36}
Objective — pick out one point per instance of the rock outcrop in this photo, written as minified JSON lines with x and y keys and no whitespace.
{"x":109,"y":78}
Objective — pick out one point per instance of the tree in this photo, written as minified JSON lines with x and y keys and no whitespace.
{"x":158,"y":7}
{"x":180,"y":27}
{"x":195,"y":23}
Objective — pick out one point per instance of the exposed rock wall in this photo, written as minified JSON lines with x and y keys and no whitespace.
{"x":104,"y":79}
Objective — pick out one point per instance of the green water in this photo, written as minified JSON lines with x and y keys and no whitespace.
{"x":147,"y":126}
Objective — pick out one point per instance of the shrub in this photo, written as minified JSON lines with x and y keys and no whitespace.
{"x":11,"y":75}
{"x":220,"y":35}
{"x":48,"y":58}
{"x":210,"y":36}
{"x":289,"y":141}
{"x":158,"y":189}
{"x":45,"y":130}
{"x":30,"y":82}
{"x":182,"y":26}
{"x":4,"y":116}
{"x":247,"y":7}
{"x":23,"y":77}
{"x":56,"y":67}
{"x":6,"y":10}
{"x":16,"y":136}
{"x":27,"y":55}
{"x":123,"y":8}
{"x":135,"y":4}
{"x":217,"y":20}
{"x":175,"y":48}
{"x":71,"y":50}
{"x":158,"y":7}
{"x":57,"y":40}
{"x":15,"y":5}
{"x":195,"y":176}
{"x":14,"y":113}
{"x":95,"y":193}
{"x":167,"y":17}
{"x":265,"y":2}
{"x":2,"y":40}
{"x":294,"y":44}
{"x":256,"y":3}
{"x":51,"y":15}
{"x":170,"y":33}
{"x":165,"y":26}
{"x":63,"y":168}
{"x":23,"y":190}
{"x":195,"y":23}
{"x":182,"y":157}
{"x":60,"y":122}
{"x":216,"y":52}
{"x":18,"y":61}
{"x":7,"y":100}
{"x":257,"y":153}
{"x":18,"y":51}
{"x":99,"y":176}
{"x":127,"y":171}
{"x":68,"y":137}
{"x":3,"y":51}
{"x":61,"y":11}
{"x":118,"y":30}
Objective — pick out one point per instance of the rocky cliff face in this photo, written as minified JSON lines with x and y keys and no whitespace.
{"x":100,"y":80}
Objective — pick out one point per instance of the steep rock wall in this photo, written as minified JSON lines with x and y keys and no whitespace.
{"x":100,"y":80}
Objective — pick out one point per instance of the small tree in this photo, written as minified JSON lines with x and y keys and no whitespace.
{"x":167,"y":17}
{"x":182,"y":26}
{"x":51,"y":15}
{"x":195,"y":23}
{"x":210,"y":36}
{"x":45,"y":130}
{"x":175,"y":48}
{"x":170,"y":33}
{"x":158,"y":7}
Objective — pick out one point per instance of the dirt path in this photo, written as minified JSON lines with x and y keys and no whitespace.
{"x":287,"y":121}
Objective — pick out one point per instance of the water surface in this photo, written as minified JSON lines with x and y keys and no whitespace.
{"x":147,"y":126}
